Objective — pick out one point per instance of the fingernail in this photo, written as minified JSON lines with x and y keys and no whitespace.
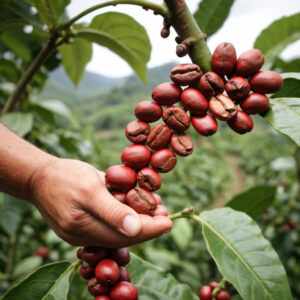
{"x":131,"y":225}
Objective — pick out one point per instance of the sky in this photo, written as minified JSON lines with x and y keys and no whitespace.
{"x":245,"y":22}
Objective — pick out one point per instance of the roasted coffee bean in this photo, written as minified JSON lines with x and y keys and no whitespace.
{"x":159,"y":136}
{"x":148,"y":111}
{"x":166,"y":93}
{"x":241,"y":123}
{"x":148,"y":179}
{"x":255,"y":104}
{"x":176,"y":118}
{"x":136,"y":156}
{"x":266,"y":82}
{"x":120,"y":196}
{"x":205,"y":125}
{"x":194,"y":101}
{"x":222,"y":107}
{"x":137,"y":131}
{"x":182,"y":144}
{"x":237,"y":88}
{"x":142,"y":201}
{"x":249,"y":62}
{"x":211,"y":84}
{"x":163,"y":160}
{"x":185,"y":74}
{"x":224,"y":59}
{"x":120,"y":178}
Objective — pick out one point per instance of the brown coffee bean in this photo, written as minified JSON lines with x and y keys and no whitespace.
{"x":205,"y":125}
{"x":148,"y":179}
{"x":120,"y":196}
{"x":237,"y":88}
{"x":136,"y":156}
{"x":182,"y":144}
{"x":241,"y":123}
{"x":194,"y":101}
{"x":211,"y":84}
{"x":266,"y":82}
{"x":120,"y":178}
{"x":249,"y":62}
{"x":176,"y":118}
{"x":148,"y":111}
{"x":255,"y":104}
{"x":185,"y":74}
{"x":159,"y":136}
{"x":142,"y":201}
{"x":222,"y":107}
{"x":163,"y":160}
{"x":137,"y":131}
{"x":166,"y":93}
{"x":224,"y":59}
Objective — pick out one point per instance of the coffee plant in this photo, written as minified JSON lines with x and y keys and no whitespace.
{"x":216,"y":90}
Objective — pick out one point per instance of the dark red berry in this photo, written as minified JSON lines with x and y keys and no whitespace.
{"x":95,"y":287}
{"x":255,"y":103}
{"x":205,"y":125}
{"x":249,"y":62}
{"x":148,"y":111}
{"x":213,"y":285}
{"x":223,"y":295}
{"x":124,"y":291}
{"x":121,"y":256}
{"x":205,"y":293}
{"x":166,"y":93}
{"x":241,"y":123}
{"x":79,"y":253}
{"x":92,"y":255}
{"x":194,"y":101}
{"x":107,"y":272}
{"x":266,"y":82}
{"x":86,"y":270}
{"x":136,"y":156}
{"x":124,"y":275}
{"x":102,"y":297}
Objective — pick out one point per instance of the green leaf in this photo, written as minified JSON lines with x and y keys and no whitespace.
{"x":211,"y":15}
{"x":254,"y":201}
{"x":20,"y":123}
{"x":75,"y":56}
{"x":284,"y":116}
{"x":287,"y":66}
{"x":27,"y":265}
{"x":155,"y":284}
{"x":40,"y":283}
{"x":243,"y":256}
{"x":50,"y":11}
{"x":78,"y":288}
{"x":122,"y":35}
{"x":182,"y":233}
{"x":275,"y":38}
{"x":291,"y":86}
{"x":12,"y":211}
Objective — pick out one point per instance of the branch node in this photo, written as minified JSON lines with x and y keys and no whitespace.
{"x":165,"y":32}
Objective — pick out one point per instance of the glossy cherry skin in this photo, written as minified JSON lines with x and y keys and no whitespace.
{"x":223,"y":295}
{"x":241,"y":123}
{"x":205,"y":125}
{"x":92,"y":255}
{"x":148,"y":111}
{"x":166,"y":93}
{"x":136,"y":156}
{"x":95,"y":288}
{"x":255,"y":103}
{"x":124,"y":291}
{"x":121,"y":256}
{"x":107,"y":272}
{"x":205,"y":293}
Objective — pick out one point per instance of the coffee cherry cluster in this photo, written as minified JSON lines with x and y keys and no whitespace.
{"x":206,"y":292}
{"x":106,"y":272}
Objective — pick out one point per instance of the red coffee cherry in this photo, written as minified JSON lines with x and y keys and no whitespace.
{"x":102,"y":297}
{"x":86,"y":270}
{"x":237,"y":88}
{"x":194,"y":101}
{"x":213,"y":285}
{"x":148,"y":179}
{"x":95,"y":287}
{"x":137,"y":131}
{"x":163,"y":160}
{"x":176,"y":118}
{"x":205,"y":293}
{"x":166,"y":93}
{"x":92,"y":255}
{"x":222,"y":107}
{"x":124,"y":275}
{"x":211,"y":84}
{"x":223,"y":295}
{"x":79,"y":253}
{"x":42,"y":252}
{"x":185,"y":74}
{"x":120,"y":196}
{"x":107,"y":272}
{"x":205,"y":125}
{"x":136,"y":156}
{"x":249,"y":62}
{"x":125,"y":291}
{"x":159,"y":136}
{"x":266,"y":82}
{"x":182,"y":144}
{"x":255,"y":104}
{"x":148,"y":111}
{"x":120,"y":178}
{"x":241,"y":123}
{"x":142,"y":201}
{"x":224,"y":59}
{"x":121,"y":256}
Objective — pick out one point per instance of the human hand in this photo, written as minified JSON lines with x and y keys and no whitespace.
{"x":73,"y":199}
